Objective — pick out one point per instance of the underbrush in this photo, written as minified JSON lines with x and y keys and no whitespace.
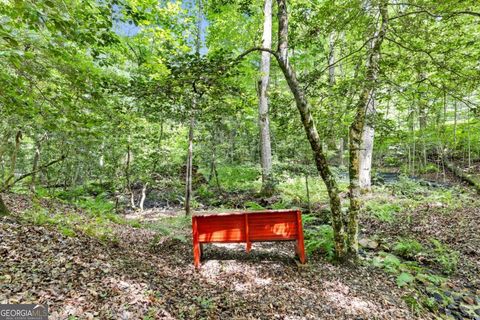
{"x":318,"y":237}
{"x":70,"y":223}
{"x":385,"y":203}
{"x":426,"y":286}
{"x":293,"y":190}
{"x":239,"y":177}
{"x":94,"y":217}
{"x":175,"y":228}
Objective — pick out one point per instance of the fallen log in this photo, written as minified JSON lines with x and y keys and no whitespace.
{"x":471,"y":180}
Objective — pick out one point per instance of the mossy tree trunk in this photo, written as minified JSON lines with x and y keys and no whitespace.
{"x":310,"y":130}
{"x":3,"y":208}
{"x":357,"y":129}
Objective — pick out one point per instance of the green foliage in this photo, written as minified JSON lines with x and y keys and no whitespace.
{"x":407,"y":248}
{"x":204,"y":192}
{"x":319,"y":238}
{"x":279,"y":205}
{"x":428,"y":278}
{"x":404,"y":278}
{"x":413,"y":302}
{"x":429,"y":168}
{"x":383,"y":210}
{"x":446,"y":258}
{"x":240,"y":177}
{"x":387,"y":261}
{"x":251,"y":205}
{"x":67,"y":232}
{"x":172,"y":227}
{"x":68,"y":223}
{"x":407,"y":187}
{"x":293,"y":190}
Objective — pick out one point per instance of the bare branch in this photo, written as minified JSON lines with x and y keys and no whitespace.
{"x":245,"y":53}
{"x":23,"y":176}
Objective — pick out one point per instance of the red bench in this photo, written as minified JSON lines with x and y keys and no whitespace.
{"x":248,"y":227}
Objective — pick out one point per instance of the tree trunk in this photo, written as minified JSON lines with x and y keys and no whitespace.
{"x":341,"y":151}
{"x":188,"y":173}
{"x":127,"y":176}
{"x":357,"y":129}
{"x":144,"y":195}
{"x":36,"y":158}
{"x":454,"y":125}
{"x":471,"y":180}
{"x":265,"y":146}
{"x":213,"y":162}
{"x":331,"y":59}
{"x":310,"y":130}
{"x":366,"y":151}
{"x":308,"y":193}
{"x":3,"y":208}
{"x":13,"y":161}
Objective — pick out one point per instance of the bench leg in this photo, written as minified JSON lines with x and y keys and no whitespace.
{"x":197,"y":250}
{"x":249,"y":246}
{"x":300,"y":246}
{"x":300,"y":251}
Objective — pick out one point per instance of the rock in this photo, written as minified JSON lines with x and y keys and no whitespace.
{"x":468,"y":300}
{"x":464,"y":311}
{"x":438,"y":297}
{"x":477,"y":311}
{"x":368,"y":243}
{"x":457,"y":315}
{"x":435,"y":205}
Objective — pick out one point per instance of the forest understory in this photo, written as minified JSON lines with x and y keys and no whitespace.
{"x":121,"y":120}
{"x":416,"y":262}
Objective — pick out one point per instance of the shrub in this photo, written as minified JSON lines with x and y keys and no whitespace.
{"x":320,"y":238}
{"x":251,"y":205}
{"x":407,"y":187}
{"x":383,"y":211}
{"x":387,"y":261}
{"x":429,"y":168}
{"x":445,"y":257}
{"x":407,"y":248}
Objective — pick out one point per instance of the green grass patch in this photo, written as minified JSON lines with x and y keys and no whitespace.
{"x":70,"y":223}
{"x":176,"y":227}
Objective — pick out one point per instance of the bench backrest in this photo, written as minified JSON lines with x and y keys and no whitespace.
{"x":248,"y":226}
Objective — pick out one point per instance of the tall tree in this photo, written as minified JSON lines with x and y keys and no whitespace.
{"x":263,"y":118}
{"x":191,"y":127}
{"x":301,"y":101}
{"x":357,"y":127}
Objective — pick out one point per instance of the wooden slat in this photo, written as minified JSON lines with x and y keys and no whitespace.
{"x":273,"y":226}
{"x":221,"y":228}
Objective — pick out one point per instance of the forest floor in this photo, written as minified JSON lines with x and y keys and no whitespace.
{"x":133,"y":271}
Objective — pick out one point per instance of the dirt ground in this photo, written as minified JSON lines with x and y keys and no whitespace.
{"x":83,"y":278}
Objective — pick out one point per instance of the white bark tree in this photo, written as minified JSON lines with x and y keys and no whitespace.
{"x":264,"y":124}
{"x":366,"y":151}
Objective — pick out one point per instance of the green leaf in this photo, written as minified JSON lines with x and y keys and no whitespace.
{"x":404,"y":278}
